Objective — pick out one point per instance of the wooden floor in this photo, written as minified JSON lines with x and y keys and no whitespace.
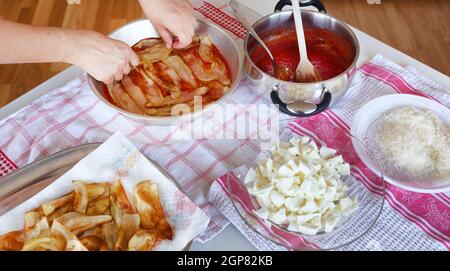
{"x":420,"y":28}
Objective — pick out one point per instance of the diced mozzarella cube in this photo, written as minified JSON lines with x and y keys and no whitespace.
{"x":285,"y":184}
{"x":326,"y":152}
{"x":263,"y":170}
{"x":313,"y":218}
{"x":294,"y":151}
{"x":345,"y":203}
{"x":313,"y":146}
{"x":276,"y":198}
{"x":283,"y":145}
{"x":326,"y":172}
{"x":325,"y":205}
{"x":263,"y":191}
{"x":309,"y":207}
{"x":279,"y":217}
{"x":330,"y":194}
{"x":251,"y":176}
{"x":314,"y":166}
{"x":308,"y":229}
{"x":293,"y":166}
{"x":269,"y":168}
{"x":332,"y":182}
{"x":331,"y":223}
{"x":263,"y":213}
{"x":344,"y":169}
{"x":292,"y":204}
{"x":265,"y":202}
{"x":304,"y":169}
{"x":304,"y":140}
{"x":301,"y":186}
{"x":293,"y":226}
{"x":335,"y":161}
{"x":285,"y":171}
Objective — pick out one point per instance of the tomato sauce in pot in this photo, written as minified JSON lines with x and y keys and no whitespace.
{"x":327,"y":51}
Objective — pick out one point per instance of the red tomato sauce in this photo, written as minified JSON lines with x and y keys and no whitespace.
{"x":327,"y":51}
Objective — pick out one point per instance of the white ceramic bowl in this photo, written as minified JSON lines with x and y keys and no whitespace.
{"x":134,"y":31}
{"x":370,"y":112}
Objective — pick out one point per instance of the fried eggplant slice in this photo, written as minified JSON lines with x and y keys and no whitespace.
{"x":80,"y":198}
{"x":37,"y":229}
{"x":151,"y":90}
{"x":12,"y":241}
{"x":216,"y":90}
{"x":68,"y":241}
{"x":146,"y":43}
{"x":60,"y":211}
{"x":177,"y":64}
{"x":152,"y":50}
{"x":40,"y":244}
{"x":31,"y":218}
{"x":64,"y":219}
{"x":97,"y":190}
{"x":92,"y":243}
{"x":184,"y":98}
{"x":98,"y":207}
{"x":152,"y":70}
{"x":74,"y":245}
{"x":143,"y":240}
{"x":203,"y":71}
{"x":119,"y":203}
{"x":46,"y":241}
{"x":149,"y":208}
{"x":122,"y":99}
{"x":136,"y":93}
{"x":97,"y":232}
{"x":130,"y":225}
{"x":218,"y":67}
{"x":110,"y":235}
{"x":78,"y":224}
{"x":49,"y":207}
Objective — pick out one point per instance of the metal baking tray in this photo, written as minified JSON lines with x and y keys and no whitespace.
{"x":26,"y":182}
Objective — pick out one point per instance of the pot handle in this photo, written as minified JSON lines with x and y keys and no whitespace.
{"x":315,"y":3}
{"x":326,"y":101}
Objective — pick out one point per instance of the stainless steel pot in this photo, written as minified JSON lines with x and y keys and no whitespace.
{"x":283,"y":93}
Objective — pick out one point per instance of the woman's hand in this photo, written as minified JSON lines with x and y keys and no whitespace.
{"x":172,"y":18}
{"x":103,"y":58}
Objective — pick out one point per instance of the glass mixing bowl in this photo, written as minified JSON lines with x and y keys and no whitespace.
{"x":366,"y":186}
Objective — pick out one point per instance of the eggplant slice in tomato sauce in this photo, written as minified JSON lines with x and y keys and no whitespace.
{"x":169,"y":77}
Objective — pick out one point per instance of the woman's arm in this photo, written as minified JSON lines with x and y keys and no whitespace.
{"x":172,"y":18}
{"x":104,"y":58}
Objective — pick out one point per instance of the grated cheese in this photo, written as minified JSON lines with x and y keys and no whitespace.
{"x":416,"y":141}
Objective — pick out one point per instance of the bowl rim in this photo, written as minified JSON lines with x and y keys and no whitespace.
{"x":376,"y":217}
{"x":167,"y":120}
{"x":316,"y":13}
{"x":395,"y":98}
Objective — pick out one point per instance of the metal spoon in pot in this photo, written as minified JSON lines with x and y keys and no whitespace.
{"x":280,"y":72}
{"x":305,"y":72}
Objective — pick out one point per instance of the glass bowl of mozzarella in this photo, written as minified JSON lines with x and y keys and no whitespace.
{"x":308,"y":191}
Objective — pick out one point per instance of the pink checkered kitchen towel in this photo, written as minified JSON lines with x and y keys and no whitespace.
{"x":409,"y":221}
{"x":72,"y":115}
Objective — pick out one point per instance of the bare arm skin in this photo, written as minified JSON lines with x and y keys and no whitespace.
{"x":172,"y":19}
{"x":104,"y":58}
